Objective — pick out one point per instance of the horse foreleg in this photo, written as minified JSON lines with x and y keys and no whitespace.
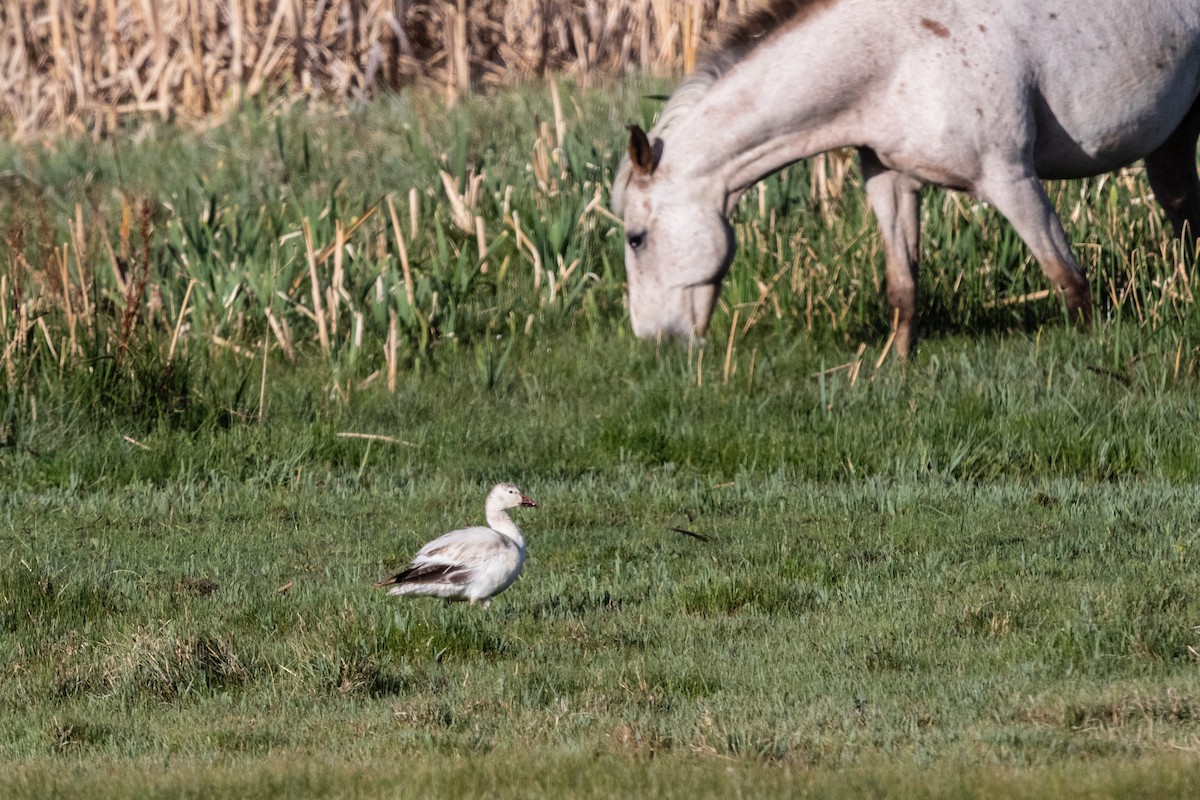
{"x":1021,"y":198}
{"x":1172,"y":173}
{"x":896,"y":199}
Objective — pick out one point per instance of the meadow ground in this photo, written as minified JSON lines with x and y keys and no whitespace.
{"x":969,"y":576}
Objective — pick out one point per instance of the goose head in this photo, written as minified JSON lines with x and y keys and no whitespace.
{"x":507,"y":495}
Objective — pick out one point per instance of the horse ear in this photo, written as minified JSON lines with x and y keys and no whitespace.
{"x":642,"y":154}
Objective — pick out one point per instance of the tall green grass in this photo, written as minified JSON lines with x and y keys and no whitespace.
{"x":381,"y":239}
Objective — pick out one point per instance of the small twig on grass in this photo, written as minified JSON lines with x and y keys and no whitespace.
{"x":241,"y":351}
{"x":1012,"y":301}
{"x":700,"y":536}
{"x":328,"y":250}
{"x":862,"y":348}
{"x":832,"y":370}
{"x":1124,"y":380}
{"x":375,"y":437}
{"x":887,"y":346}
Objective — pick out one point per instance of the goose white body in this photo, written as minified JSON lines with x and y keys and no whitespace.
{"x":471,"y":564}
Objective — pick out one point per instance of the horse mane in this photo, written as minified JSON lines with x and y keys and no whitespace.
{"x":734,"y":43}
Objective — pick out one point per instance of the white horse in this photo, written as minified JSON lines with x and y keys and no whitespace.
{"x":982,"y":96}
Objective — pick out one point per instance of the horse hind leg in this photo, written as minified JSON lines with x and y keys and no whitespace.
{"x":1172,"y":173}
{"x":1017,"y":193}
{"x":895,"y":197}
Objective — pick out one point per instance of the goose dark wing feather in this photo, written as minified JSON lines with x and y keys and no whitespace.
{"x":429,"y":573}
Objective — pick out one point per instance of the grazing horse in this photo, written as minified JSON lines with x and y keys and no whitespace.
{"x":980,"y":96}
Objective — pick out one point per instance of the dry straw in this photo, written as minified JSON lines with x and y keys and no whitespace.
{"x":86,"y":64}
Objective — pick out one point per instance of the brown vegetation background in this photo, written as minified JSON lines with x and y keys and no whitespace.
{"x":83,"y":65}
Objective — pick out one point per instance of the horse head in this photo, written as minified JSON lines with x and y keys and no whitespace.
{"x":678,"y":243}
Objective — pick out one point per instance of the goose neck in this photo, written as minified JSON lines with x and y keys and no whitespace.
{"x":499,"y":520}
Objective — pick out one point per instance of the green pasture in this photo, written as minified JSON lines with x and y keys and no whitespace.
{"x":973,"y":575}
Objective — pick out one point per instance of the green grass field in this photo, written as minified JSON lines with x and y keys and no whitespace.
{"x":974,"y":575}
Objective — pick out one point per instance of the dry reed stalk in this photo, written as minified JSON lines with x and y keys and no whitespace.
{"x":729,"y":345}
{"x":560,"y":125}
{"x":541,"y":164}
{"x":522,"y":240}
{"x":339,"y":276}
{"x":459,"y":76}
{"x":481,"y":244}
{"x":64,"y":271}
{"x":80,"y":241}
{"x":402,"y":251}
{"x":887,"y":346}
{"x":85,"y":64}
{"x":179,"y":320}
{"x":389,"y":352}
{"x":283,"y":335}
{"x":849,"y":365}
{"x":262,"y":383}
{"x":359,"y":322}
{"x":414,"y":211}
{"x":41,"y":323}
{"x":463,"y":204}
{"x":318,"y":308}
{"x":328,"y":250}
{"x":857,"y":368}
{"x":598,"y":205}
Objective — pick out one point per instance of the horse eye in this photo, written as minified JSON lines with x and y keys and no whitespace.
{"x":636,"y":240}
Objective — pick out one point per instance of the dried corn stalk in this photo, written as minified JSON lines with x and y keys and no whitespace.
{"x":84,"y":64}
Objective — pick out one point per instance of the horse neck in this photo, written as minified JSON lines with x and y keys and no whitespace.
{"x":807,"y":99}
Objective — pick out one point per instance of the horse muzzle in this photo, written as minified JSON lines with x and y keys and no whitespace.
{"x":684,"y":314}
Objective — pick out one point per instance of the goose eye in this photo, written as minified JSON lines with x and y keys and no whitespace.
{"x":636,"y":240}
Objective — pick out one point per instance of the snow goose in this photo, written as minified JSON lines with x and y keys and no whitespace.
{"x":472,"y":564}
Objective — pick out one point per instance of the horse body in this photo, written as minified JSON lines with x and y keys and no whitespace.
{"x":969,"y":94}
